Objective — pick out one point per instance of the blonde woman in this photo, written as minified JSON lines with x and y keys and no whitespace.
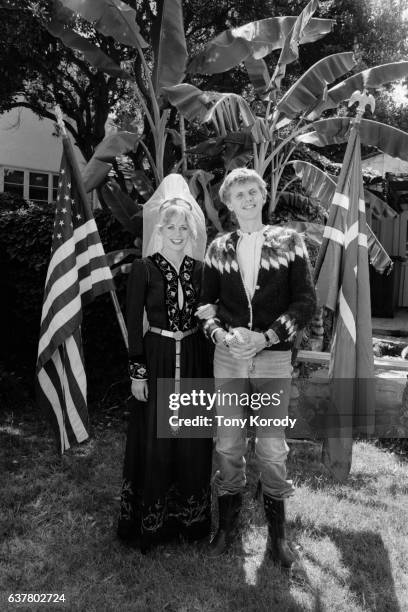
{"x":166,"y":481}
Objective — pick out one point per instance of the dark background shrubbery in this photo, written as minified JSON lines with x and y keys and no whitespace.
{"x":25,"y":243}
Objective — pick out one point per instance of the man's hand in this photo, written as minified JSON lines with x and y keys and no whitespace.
{"x":206,"y":311}
{"x":253,"y":342}
{"x":258,"y":340}
{"x":140,"y":390}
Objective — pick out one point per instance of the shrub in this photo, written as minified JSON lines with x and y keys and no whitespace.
{"x":11,"y":201}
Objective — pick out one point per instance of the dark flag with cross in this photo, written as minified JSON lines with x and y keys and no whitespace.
{"x":77,"y":273}
{"x":343,"y":286}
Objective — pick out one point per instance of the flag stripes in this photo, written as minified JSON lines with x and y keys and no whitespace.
{"x":77,"y":273}
{"x":347,"y":316}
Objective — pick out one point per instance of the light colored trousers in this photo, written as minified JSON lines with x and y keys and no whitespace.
{"x":268,"y":372}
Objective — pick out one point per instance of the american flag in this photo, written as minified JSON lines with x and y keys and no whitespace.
{"x":343,"y":286}
{"x":77,"y":273}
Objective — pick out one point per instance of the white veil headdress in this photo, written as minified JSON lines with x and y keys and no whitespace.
{"x":172,"y":186}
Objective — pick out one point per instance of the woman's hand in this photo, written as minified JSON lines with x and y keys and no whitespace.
{"x":140,"y":390}
{"x":206,"y":311}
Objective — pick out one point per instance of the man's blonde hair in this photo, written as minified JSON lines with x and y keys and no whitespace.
{"x":240,"y":175}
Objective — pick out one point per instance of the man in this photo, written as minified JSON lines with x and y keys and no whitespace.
{"x":259,"y":277}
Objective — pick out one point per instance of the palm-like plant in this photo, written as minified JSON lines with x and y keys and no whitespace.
{"x":270,"y":141}
{"x":267,"y":139}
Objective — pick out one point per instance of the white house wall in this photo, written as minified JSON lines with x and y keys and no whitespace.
{"x":28,"y":142}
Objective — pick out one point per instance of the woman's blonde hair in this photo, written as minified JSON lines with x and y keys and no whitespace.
{"x":240,"y":175}
{"x":177,"y":206}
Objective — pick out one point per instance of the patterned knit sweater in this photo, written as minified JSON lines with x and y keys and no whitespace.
{"x":284,"y":298}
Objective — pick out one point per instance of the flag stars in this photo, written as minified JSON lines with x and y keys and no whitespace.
{"x":61,"y":223}
{"x":66,"y":197}
{"x":59,"y":236}
{"x":79,"y":217}
{"x":63,"y":210}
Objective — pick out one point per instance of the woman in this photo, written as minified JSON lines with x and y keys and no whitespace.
{"x":166,"y":481}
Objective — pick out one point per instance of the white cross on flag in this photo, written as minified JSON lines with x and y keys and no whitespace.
{"x":343,"y":286}
{"x":77,"y":273}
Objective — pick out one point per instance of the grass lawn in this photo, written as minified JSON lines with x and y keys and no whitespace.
{"x":57,"y":535}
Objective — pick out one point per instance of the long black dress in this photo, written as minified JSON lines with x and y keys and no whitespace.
{"x":166,"y":481}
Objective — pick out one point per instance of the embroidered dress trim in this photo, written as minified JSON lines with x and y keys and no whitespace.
{"x":180,"y":319}
{"x":187,"y":511}
{"x":137,"y":371}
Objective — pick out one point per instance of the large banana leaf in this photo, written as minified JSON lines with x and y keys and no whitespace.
{"x":199,"y":181}
{"x":319,"y":185}
{"x":290,"y":49}
{"x":191,"y":102}
{"x":372,"y":77}
{"x":379,"y":207}
{"x":315,"y":182}
{"x":377,"y":255}
{"x":94,"y":173}
{"x":111,"y":18}
{"x":169,"y":45}
{"x":373,"y":133}
{"x":258,"y":74}
{"x":227,"y":111}
{"x":306,"y":92}
{"x":95,"y":56}
{"x":256,"y":39}
{"x":123,"y":208}
{"x":116,"y":144}
{"x":235,"y":148}
{"x":107,"y":150}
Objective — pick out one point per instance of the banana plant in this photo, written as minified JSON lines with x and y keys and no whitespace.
{"x":117,"y":19}
{"x":269,"y":139}
{"x":228,"y":113}
{"x":265,"y":133}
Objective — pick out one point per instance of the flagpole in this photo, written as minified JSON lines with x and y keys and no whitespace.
{"x":84,"y":197}
{"x":363,"y":100}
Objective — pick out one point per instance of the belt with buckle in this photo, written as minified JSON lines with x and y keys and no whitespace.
{"x":177,"y":337}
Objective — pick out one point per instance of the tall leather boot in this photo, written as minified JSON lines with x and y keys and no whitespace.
{"x":228,"y":512}
{"x":278,"y":549}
